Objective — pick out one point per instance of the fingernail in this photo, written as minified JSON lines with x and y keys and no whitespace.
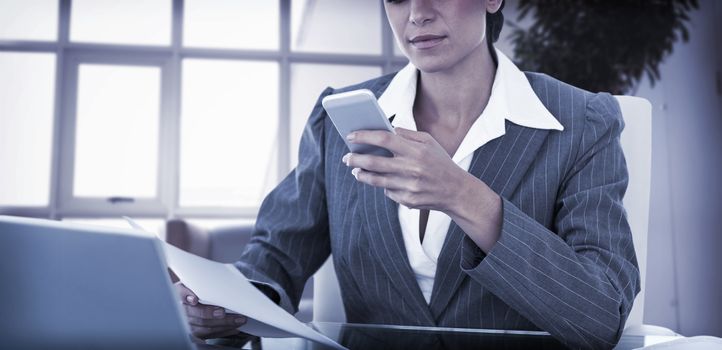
{"x":351,"y":136}
{"x":218,"y":313}
{"x":190,"y":299}
{"x":354,"y":172}
{"x":240,"y":321}
{"x":345,"y":159}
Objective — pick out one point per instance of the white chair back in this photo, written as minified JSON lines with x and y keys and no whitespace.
{"x":637,"y":146}
{"x":327,"y":302}
{"x":636,"y":142}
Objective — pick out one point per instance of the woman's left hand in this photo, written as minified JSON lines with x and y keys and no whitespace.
{"x":421,"y":175}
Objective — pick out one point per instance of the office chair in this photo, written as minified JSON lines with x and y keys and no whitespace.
{"x":636,"y":140}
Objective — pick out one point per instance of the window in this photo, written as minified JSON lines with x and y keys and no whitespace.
{"x":336,"y":26}
{"x":229,"y":121}
{"x":210,"y":24}
{"x":116,"y":134}
{"x":133,"y":22}
{"x":26,"y":125}
{"x":168,"y":108}
{"x":16,"y":14}
{"x":114,"y":151}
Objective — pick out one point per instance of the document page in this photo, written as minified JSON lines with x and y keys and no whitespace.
{"x":223,"y":285}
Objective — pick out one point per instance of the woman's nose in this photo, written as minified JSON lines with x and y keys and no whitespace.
{"x":421,"y":12}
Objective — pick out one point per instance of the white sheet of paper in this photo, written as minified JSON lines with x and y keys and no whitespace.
{"x":700,"y":342}
{"x":223,"y":285}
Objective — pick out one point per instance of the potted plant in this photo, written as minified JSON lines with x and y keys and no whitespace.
{"x":599,"y":45}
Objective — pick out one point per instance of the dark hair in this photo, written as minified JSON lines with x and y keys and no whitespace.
{"x":494,"y":22}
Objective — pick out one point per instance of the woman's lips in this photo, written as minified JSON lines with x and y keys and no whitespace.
{"x":423,"y":42}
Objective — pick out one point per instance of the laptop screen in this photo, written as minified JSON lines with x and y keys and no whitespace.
{"x":70,"y":286}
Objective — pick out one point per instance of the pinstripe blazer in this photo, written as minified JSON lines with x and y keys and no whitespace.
{"x":564,"y":262}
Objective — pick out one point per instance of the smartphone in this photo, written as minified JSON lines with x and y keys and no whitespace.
{"x":357,"y":110}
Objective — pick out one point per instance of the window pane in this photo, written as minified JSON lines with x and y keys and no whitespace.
{"x":307,"y":82}
{"x":29,"y":19}
{"x":212,"y":224}
{"x":233,"y":24}
{"x":116,"y":151}
{"x":141,"y":22}
{"x":26,"y":127}
{"x":228,"y":132}
{"x":338,"y":26}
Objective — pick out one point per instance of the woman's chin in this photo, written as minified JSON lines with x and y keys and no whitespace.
{"x":431,"y":64}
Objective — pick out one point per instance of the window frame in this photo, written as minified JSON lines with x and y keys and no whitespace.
{"x":70,"y":205}
{"x":70,"y":54}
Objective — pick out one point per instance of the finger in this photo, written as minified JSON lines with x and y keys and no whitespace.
{"x":398,"y":196}
{"x":388,"y":181}
{"x":230,"y":321}
{"x":228,"y":333}
{"x":373,"y":163}
{"x":381,"y":138}
{"x":409,"y":199}
{"x":187,"y":295}
{"x":418,"y":136}
{"x":213,"y":332}
{"x":205,"y":311}
{"x":393,"y":195}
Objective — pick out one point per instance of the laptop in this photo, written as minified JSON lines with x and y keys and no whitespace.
{"x":65,"y":285}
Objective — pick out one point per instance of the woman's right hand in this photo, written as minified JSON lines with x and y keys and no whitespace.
{"x":208,"y":321}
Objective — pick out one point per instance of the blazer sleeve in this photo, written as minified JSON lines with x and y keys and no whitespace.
{"x":290,"y":240}
{"x":579,"y":282}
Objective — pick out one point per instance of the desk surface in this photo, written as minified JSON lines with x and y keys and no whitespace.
{"x":363,"y":336}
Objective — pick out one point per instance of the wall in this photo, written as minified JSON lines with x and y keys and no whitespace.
{"x":685,"y":267}
{"x":684,"y":273}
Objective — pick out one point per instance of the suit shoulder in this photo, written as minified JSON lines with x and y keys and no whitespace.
{"x":567,"y":103}
{"x":575,"y":107}
{"x":547,"y":87}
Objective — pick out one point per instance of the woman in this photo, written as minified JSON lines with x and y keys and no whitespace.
{"x":501,"y":208}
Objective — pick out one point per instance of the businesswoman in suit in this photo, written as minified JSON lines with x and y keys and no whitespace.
{"x":501,"y":208}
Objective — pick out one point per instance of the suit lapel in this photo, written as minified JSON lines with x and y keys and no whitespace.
{"x":388,"y":245}
{"x":501,"y":164}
